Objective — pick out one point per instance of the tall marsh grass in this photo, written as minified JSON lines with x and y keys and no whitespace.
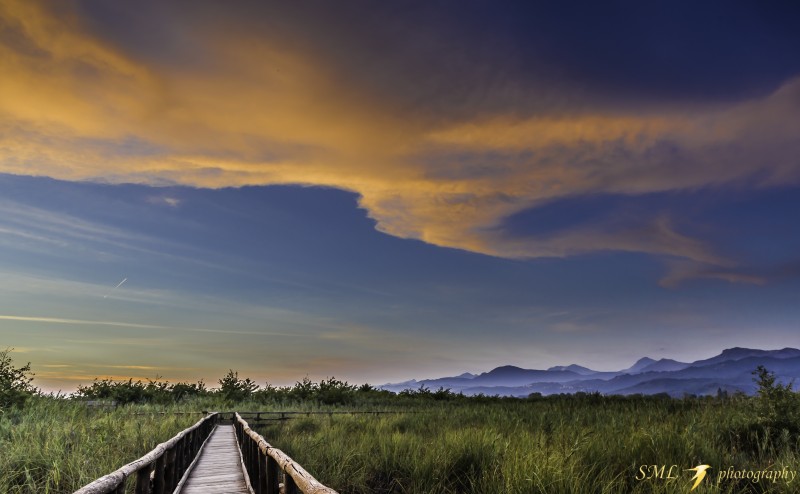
{"x":589,"y":444}
{"x":57,"y":446}
{"x":546,"y":446}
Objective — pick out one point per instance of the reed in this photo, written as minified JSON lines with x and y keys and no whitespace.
{"x":561,"y":444}
{"x":57,"y":445}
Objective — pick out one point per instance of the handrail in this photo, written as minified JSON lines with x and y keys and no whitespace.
{"x":263,"y":416}
{"x":159,"y":470}
{"x":263,"y":461}
{"x":321,"y":412}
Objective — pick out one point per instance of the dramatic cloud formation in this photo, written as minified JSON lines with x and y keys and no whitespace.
{"x":442,"y":144}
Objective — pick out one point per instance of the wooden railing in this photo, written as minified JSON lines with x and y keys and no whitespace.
{"x":264,"y":462}
{"x":160,"y":470}
{"x":287,"y":415}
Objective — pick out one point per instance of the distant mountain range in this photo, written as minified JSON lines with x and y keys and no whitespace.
{"x":729,"y":371}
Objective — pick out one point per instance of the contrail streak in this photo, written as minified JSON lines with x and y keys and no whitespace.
{"x":118,"y":285}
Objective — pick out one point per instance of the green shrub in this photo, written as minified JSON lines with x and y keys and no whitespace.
{"x":777,"y":404}
{"x":138,"y":392}
{"x":335,"y":392}
{"x":15,"y":382}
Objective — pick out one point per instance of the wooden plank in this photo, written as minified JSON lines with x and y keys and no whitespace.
{"x":218,"y":470}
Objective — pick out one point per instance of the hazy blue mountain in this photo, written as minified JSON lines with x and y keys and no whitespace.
{"x":680,"y":387}
{"x":665,"y":364}
{"x":638,"y":366}
{"x":510,"y":375}
{"x":578,"y":369}
{"x":738,"y":353}
{"x":731,"y":371}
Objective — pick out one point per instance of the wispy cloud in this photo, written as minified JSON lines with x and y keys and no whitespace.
{"x":75,"y":378}
{"x":121,"y":324}
{"x":63,"y":232}
{"x":683,"y":271}
{"x":56,"y":320}
{"x":32,"y":229}
{"x":165,"y":201}
{"x":250,"y":318}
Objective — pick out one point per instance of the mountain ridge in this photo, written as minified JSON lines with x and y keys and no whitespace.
{"x":730,"y":371}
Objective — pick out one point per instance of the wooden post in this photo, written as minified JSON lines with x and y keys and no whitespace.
{"x":247,"y":451}
{"x":179,"y":461}
{"x":120,"y":489}
{"x":143,"y":480}
{"x":190,"y":447}
{"x":289,"y":487}
{"x":184,"y":463}
{"x":262,"y":473}
{"x":272,"y":476}
{"x":186,"y":451}
{"x":158,"y":478}
{"x":252,"y":466}
{"x":169,"y":470}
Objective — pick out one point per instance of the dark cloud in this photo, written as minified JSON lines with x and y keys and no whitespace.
{"x":448,"y":58}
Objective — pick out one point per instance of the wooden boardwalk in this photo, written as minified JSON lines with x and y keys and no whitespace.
{"x":219,"y":469}
{"x":206,"y":459}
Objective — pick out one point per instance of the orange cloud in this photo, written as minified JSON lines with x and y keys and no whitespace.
{"x":259,"y":111}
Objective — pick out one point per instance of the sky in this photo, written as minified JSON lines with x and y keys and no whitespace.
{"x":380,"y":191}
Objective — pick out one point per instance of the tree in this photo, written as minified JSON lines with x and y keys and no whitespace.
{"x":15,"y":382}
{"x":778,"y":405}
{"x":335,"y":392}
{"x":234,"y":389}
{"x":181,"y":390}
{"x":304,"y":390}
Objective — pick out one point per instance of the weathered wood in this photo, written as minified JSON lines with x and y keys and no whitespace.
{"x":179,"y":466}
{"x":253,"y":463}
{"x":247,"y":458}
{"x":261,"y":486}
{"x":303,"y":480}
{"x":169,"y":470}
{"x":273,"y":479}
{"x":143,"y":481}
{"x":160,"y":471}
{"x":111,"y":482}
{"x":158,"y":478}
{"x":218,"y":468}
{"x":289,"y":485}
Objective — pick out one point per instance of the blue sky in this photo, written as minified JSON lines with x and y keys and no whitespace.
{"x":381,"y":192}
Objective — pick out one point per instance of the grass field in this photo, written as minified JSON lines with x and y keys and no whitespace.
{"x":57,"y":446}
{"x":585,"y":444}
{"x":548,"y":446}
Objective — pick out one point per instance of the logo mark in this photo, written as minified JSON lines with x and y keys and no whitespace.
{"x":700,"y":474}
